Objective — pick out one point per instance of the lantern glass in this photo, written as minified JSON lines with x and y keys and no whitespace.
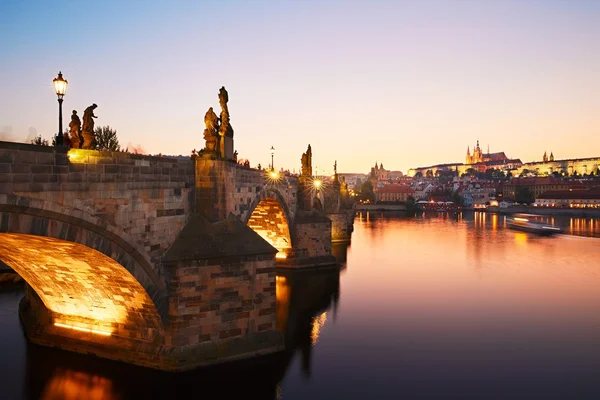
{"x":60,"y":85}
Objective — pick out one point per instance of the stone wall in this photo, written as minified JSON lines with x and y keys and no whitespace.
{"x":222,"y":309}
{"x":224,"y":187}
{"x":312,"y":241}
{"x":147,"y":197}
{"x":342,"y":226}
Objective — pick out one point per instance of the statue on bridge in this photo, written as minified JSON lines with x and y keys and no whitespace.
{"x":75,"y":131}
{"x":225,"y":130}
{"x":87,"y":132}
{"x":210,"y":133}
{"x":307,"y":162}
{"x":219,"y":133}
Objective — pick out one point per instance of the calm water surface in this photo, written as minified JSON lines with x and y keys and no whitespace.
{"x":427,"y":307}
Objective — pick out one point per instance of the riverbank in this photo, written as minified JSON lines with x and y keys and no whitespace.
{"x":380,"y":207}
{"x":567,"y":212}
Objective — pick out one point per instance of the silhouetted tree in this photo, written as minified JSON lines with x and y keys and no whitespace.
{"x":105,"y":139}
{"x":366,"y":191}
{"x":524,"y":195}
{"x":39,"y":141}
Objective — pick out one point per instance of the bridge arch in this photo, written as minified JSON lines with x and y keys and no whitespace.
{"x":26,"y":216}
{"x":82,"y":289}
{"x":269,"y":216}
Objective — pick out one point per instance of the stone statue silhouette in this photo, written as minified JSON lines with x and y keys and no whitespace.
{"x":210,"y":133}
{"x":75,"y":131}
{"x":211,"y":121}
{"x":88,"y":127}
{"x":307,"y":162}
{"x":225,"y":129}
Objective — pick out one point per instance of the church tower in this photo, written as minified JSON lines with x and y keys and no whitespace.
{"x":477,"y":154}
{"x":545,"y":158}
{"x":468,"y":160}
{"x":551,"y":156}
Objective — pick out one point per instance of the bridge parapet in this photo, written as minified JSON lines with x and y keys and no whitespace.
{"x":147,"y":197}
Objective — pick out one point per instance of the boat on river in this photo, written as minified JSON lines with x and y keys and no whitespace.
{"x":532,"y":223}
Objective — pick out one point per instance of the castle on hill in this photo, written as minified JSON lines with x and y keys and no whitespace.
{"x":480,"y":162}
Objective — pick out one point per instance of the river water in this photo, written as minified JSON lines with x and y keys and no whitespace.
{"x":439,"y":306}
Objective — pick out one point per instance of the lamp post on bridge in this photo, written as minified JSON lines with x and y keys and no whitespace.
{"x":272,"y":154}
{"x":60,"y":87}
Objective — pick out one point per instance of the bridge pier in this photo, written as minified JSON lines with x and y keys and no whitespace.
{"x":342,"y":225}
{"x":274,"y":207}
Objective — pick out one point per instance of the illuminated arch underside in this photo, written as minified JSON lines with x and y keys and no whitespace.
{"x":80,"y":285}
{"x":269,"y":221}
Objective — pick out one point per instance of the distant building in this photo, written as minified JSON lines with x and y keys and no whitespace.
{"x":393,"y":193}
{"x":548,"y":166}
{"x":353,"y":180}
{"x":538,"y":185}
{"x":379,"y":173}
{"x":478,"y":161}
{"x":589,"y":198}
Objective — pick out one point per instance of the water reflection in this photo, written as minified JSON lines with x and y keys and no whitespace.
{"x":305,"y":297}
{"x":67,"y":384}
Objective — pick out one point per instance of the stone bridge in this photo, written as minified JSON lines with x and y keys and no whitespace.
{"x":162,"y":262}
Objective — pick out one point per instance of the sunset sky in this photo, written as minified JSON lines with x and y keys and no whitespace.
{"x":406,"y":83}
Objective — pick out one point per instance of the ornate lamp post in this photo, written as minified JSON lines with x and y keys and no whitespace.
{"x":60,"y":87}
{"x":272,"y":154}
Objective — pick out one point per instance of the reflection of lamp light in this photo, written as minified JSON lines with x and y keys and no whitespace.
{"x":60,"y":87}
{"x":272,"y":154}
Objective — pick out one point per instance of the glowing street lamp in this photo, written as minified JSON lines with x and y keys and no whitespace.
{"x":272,"y":154}
{"x":317,"y":183}
{"x":60,"y":87}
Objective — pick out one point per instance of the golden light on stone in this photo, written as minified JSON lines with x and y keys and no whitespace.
{"x":77,"y":156}
{"x":80,"y":329}
{"x":85,"y":290}
{"x":269,"y":220}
